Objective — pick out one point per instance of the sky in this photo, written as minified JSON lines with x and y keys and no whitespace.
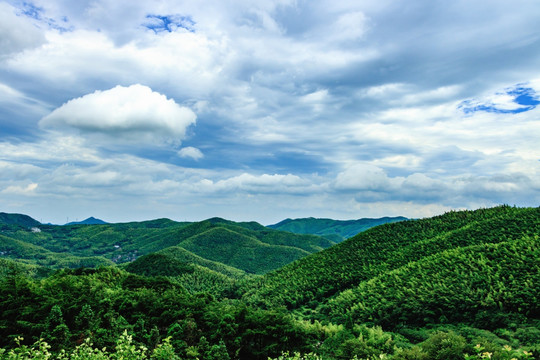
{"x":266,"y":110}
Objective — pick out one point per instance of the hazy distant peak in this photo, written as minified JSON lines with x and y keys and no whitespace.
{"x":90,"y":221}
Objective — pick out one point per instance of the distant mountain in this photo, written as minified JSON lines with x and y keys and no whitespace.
{"x":90,"y":221}
{"x":18,"y":219}
{"x":335,"y":230}
{"x":248,"y":247}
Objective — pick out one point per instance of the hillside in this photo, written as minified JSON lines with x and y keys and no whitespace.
{"x":241,"y":251}
{"x":335,"y":230}
{"x":249,"y":246}
{"x":385,"y":248}
{"x":462,"y":285}
{"x":193,"y":272}
{"x":32,"y":254}
{"x":18,"y":219}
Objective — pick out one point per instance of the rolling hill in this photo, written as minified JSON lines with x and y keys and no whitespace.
{"x":460,"y":285}
{"x":18,"y":219}
{"x":317,"y":278}
{"x":335,"y":230}
{"x":248,"y":246}
{"x":89,"y":221}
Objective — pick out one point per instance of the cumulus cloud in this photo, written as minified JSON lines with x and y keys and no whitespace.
{"x":364,"y":177}
{"x":132,"y":114}
{"x":190,"y":152}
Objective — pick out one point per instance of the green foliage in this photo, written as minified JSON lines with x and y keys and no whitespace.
{"x":459,"y":286}
{"x":38,"y":351}
{"x":312,"y":280}
{"x":241,"y":251}
{"x":297,"y":356}
{"x":243,"y":247}
{"x":20,"y":220}
{"x":335,"y":230}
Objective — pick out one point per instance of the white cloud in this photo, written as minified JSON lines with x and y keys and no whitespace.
{"x":364,"y":177}
{"x":17,"y":33}
{"x":16,"y":171}
{"x":259,"y":184}
{"x":190,"y":152}
{"x":133,"y":114}
{"x":351,"y":26}
{"x":300,"y":90}
{"x":20,"y":189}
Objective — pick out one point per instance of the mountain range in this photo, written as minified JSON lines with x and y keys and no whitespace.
{"x":335,"y":230}
{"x":454,"y":286}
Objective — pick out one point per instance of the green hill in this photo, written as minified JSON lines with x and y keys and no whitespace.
{"x":318,"y":277}
{"x":32,"y":254}
{"x":486,"y":285}
{"x":246,"y":246}
{"x":335,"y":230}
{"x":241,"y":251}
{"x":184,"y":255}
{"x":193,"y":272}
{"x":463,"y":285}
{"x":18,"y":219}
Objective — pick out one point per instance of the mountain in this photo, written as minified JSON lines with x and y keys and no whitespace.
{"x":377,"y":252}
{"x":462,"y":285}
{"x":90,"y":221}
{"x":18,"y":219}
{"x":249,"y":246}
{"x":335,"y":230}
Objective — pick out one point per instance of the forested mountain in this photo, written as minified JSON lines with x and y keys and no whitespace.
{"x":17,"y":219}
{"x":388,"y":247}
{"x":335,"y":230}
{"x":462,"y":285}
{"x":249,"y":247}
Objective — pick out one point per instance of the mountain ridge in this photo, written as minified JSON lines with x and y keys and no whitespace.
{"x":335,"y":230}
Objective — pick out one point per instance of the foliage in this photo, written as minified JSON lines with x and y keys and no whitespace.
{"x":241,"y":246}
{"x":311,"y":281}
{"x":336,"y":230}
{"x":462,"y":285}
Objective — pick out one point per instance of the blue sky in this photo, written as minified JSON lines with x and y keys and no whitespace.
{"x":260,"y":111}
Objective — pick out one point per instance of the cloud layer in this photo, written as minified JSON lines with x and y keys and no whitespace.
{"x":267,"y":110}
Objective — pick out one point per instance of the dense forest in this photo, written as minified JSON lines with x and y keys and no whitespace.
{"x":462,"y":285}
{"x":335,"y":230}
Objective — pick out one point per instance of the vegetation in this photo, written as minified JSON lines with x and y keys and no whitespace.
{"x":379,"y":250}
{"x":335,"y":230}
{"x":96,"y":245}
{"x":463,"y":285}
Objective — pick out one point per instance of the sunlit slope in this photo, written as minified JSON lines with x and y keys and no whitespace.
{"x":241,"y":251}
{"x":486,"y":285}
{"x":316,"y":278}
